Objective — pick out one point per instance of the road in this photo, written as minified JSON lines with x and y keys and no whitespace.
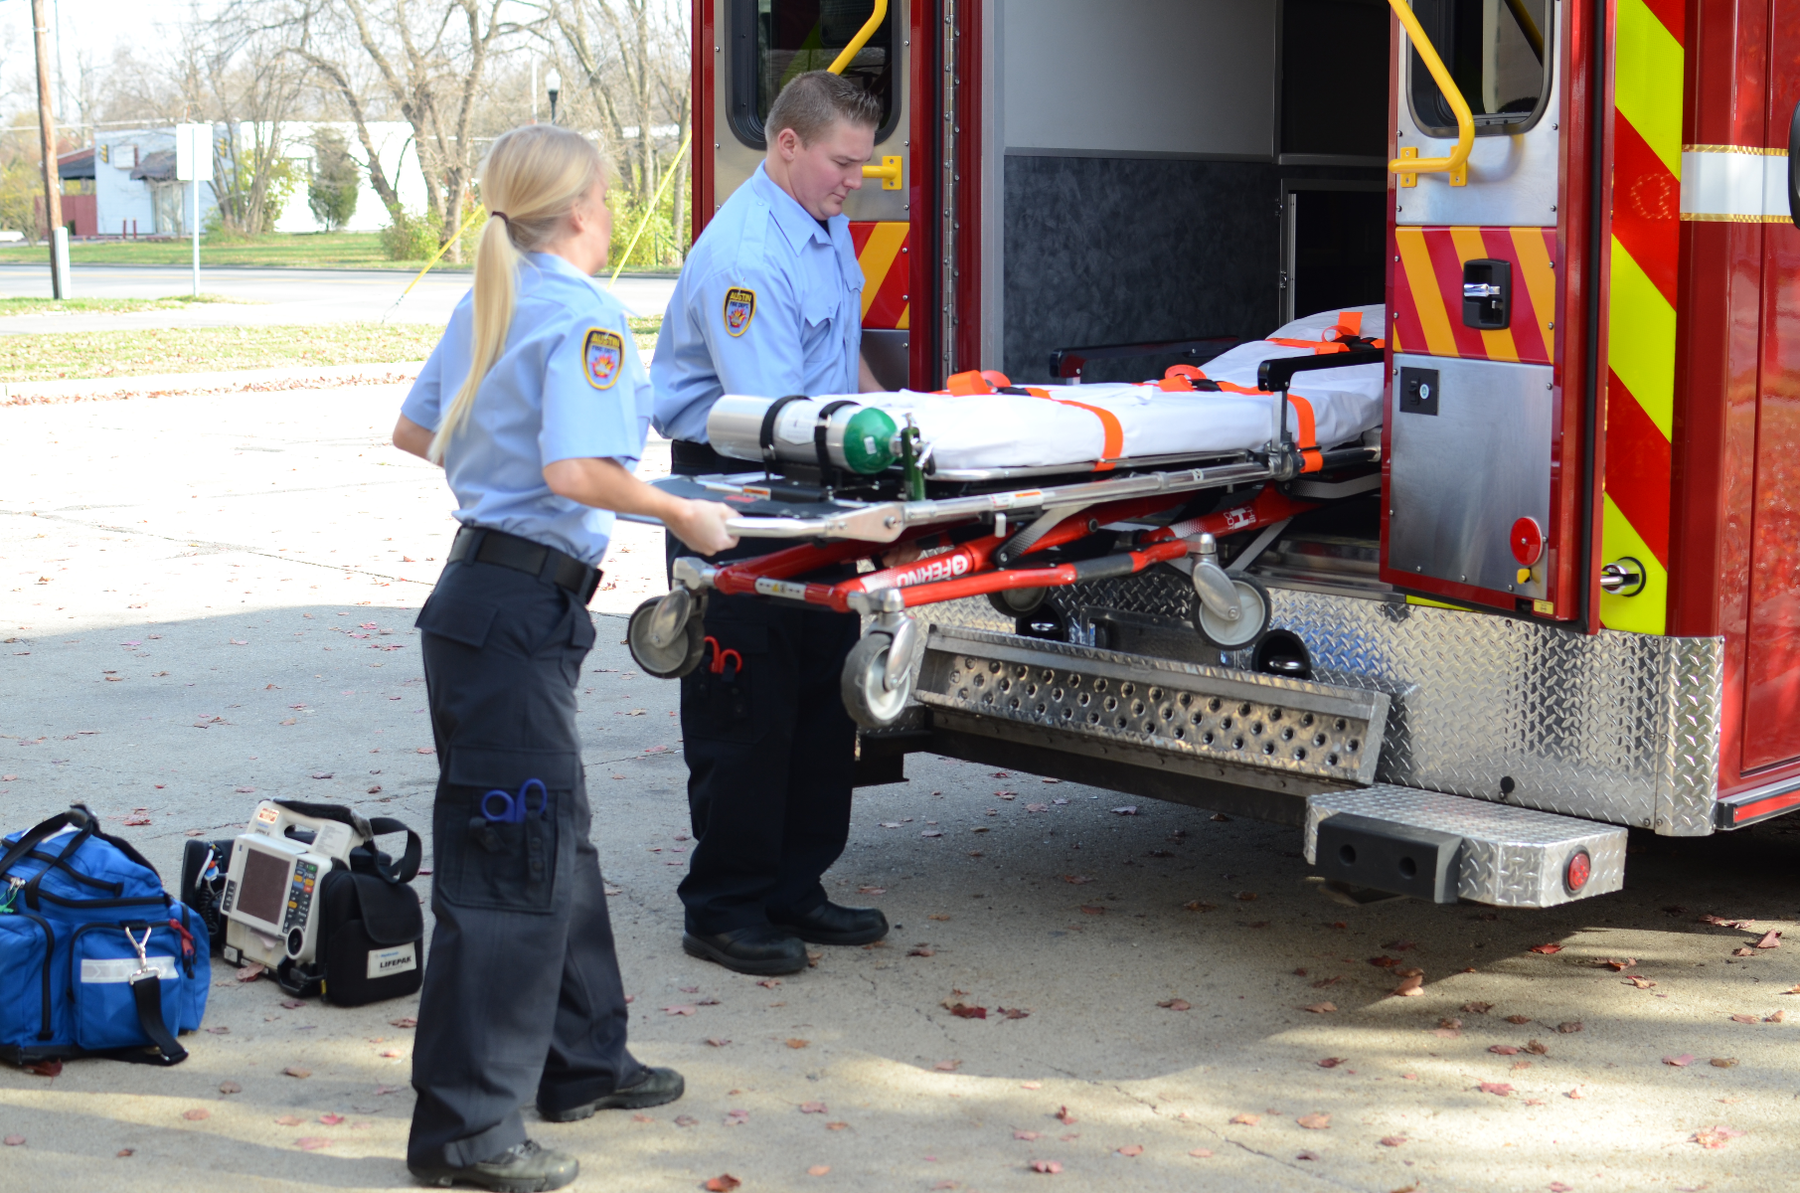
{"x":268,"y":297}
{"x":248,"y":536}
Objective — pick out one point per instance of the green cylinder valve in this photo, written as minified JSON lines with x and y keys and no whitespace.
{"x":869,"y":441}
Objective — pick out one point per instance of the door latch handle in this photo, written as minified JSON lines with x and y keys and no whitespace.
{"x":1623,"y":578}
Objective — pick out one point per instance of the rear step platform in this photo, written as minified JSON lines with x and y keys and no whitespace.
{"x":1266,"y":731}
{"x":1450,"y":847}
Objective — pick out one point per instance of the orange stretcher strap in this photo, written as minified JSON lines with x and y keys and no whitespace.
{"x":975,"y":381}
{"x":1309,"y":446}
{"x":1348,"y":326}
{"x":1113,"y":434}
{"x":1317,"y":347}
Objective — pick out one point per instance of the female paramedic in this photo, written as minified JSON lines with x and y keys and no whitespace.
{"x":536,"y":405}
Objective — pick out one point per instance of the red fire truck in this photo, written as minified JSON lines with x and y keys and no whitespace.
{"x":1571,"y":604}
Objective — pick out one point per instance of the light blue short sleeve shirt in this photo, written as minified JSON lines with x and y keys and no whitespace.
{"x":568,"y":385}
{"x":769,"y":303}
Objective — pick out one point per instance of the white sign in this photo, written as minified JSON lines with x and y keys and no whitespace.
{"x":193,"y":153}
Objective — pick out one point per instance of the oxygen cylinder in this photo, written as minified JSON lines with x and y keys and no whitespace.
{"x":861,"y":439}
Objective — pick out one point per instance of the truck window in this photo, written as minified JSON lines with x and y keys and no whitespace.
{"x":774,"y":40}
{"x":1498,"y":51}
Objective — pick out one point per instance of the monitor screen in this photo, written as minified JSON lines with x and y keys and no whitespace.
{"x":263,"y":895}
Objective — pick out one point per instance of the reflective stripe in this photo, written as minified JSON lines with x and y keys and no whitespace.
{"x":1735,"y":184}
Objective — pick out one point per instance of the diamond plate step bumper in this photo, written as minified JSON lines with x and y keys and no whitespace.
{"x":1217,"y":723}
{"x":1509,"y":857}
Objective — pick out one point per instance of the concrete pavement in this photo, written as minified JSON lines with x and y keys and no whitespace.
{"x":283,"y":296}
{"x":248,"y":536}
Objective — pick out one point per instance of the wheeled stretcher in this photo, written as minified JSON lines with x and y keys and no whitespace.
{"x":995,"y":490}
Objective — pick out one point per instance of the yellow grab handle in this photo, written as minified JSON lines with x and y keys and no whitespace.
{"x":888,"y":171}
{"x":1465,"y":123}
{"x":861,"y":39}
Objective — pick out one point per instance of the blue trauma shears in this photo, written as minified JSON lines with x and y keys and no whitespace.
{"x":515,"y":808}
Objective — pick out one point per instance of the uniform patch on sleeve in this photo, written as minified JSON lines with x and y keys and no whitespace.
{"x":602,"y":353}
{"x":740,"y":308}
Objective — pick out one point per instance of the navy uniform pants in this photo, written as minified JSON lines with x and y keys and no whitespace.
{"x":522,"y":999}
{"x":770,"y":754}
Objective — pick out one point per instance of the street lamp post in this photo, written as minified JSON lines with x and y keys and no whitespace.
{"x":553,"y":85}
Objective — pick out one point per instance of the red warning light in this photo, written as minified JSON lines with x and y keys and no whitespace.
{"x":1527,"y":541}
{"x":1579,"y":869}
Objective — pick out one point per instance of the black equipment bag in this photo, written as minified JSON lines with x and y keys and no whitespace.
{"x":203,"y":868}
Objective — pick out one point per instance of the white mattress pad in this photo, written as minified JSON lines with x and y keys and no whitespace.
{"x":1077,"y":425}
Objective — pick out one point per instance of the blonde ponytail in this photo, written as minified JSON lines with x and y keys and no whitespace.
{"x":532,"y":179}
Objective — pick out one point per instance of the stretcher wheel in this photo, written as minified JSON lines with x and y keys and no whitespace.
{"x":1253,"y":601}
{"x":672,"y":661}
{"x":1017,"y":602}
{"x":866,"y":694}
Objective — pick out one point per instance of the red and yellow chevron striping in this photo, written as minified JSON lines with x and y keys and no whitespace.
{"x":1645,"y":257}
{"x":881,"y":250}
{"x":1428,"y":292}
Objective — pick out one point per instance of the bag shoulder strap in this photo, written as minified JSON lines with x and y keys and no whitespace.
{"x":76,"y":816}
{"x":407,"y":868}
{"x":146,"y":993}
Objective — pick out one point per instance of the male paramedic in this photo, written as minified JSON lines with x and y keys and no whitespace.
{"x":769,"y":303}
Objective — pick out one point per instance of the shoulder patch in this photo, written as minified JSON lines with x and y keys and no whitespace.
{"x":603,"y":352}
{"x":740,"y":308}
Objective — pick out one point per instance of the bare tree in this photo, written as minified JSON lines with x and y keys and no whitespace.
{"x":430,"y":59}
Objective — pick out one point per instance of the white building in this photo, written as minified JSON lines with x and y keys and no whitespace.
{"x":135,"y":191}
{"x":399,"y":161}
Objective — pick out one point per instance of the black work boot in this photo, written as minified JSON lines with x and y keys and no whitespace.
{"x":758,"y":949}
{"x":830,"y":923}
{"x":653,"y":1087}
{"x":522,"y":1168}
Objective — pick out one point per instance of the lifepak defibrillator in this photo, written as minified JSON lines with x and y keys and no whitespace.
{"x":307,"y":895}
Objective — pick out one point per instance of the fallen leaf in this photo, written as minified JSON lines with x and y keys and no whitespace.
{"x":1063,"y":1116}
{"x":963,"y":1011}
{"x":292,"y":1004}
{"x":1777,"y":1017}
{"x":1320,"y":1008}
{"x":1715,"y":1137}
{"x":1314,"y":1122}
{"x":682,"y":1009}
{"x":1537,"y":1048}
{"x":1680,"y":1062}
{"x":1050,"y":1167}
{"x":125,"y":1151}
{"x":1132,"y":1149}
{"x":946,"y":1066}
{"x":1201,"y":1153}
{"x":331,"y":1120}
{"x":923,"y":950}
{"x":1384,"y":962}
{"x":818,"y":1170}
{"x":1640,"y":983}
{"x":1027,"y":1136}
{"x":230,"y":1087}
{"x":311,"y":1143}
{"x":717,"y":1042}
{"x":1518,"y":1018}
{"x":1306,"y":1155}
{"x":1410,"y":987}
{"x":1127,"y":810}
{"x":1196,"y":905}
{"x":812,"y":1108}
{"x":939,"y":918}
{"x":14,"y":1141}
{"x":197,"y":1114}
{"x":404,"y":1021}
{"x":1723,"y":1062}
{"x":722,"y":1183}
{"x":1392,"y":1140}
{"x":1477,"y":1008}
{"x":133,"y":821}
{"x":296,"y":1071}
{"x":1576,"y":1093}
{"x":1743,"y":951}
{"x":1546,"y":949}
{"x":837,"y":1126}
{"x":1743,"y":1018}
{"x":1573,"y":1025}
{"x":1331,"y":1062}
{"x":1617,"y":966}
{"x":871,"y":890}
{"x":736,"y":1118}
{"x":1245,"y":1120}
{"x":1559,"y":1187}
{"x":1020,"y":1013}
{"x":1175,"y":1004}
{"x":1495,"y":1087}
{"x":250,"y":972}
{"x":798,"y":1043}
{"x":686,"y":1120}
{"x":1724,"y":923}
{"x":52,"y":1067}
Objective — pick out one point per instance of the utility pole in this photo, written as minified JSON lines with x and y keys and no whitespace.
{"x":59,"y":253}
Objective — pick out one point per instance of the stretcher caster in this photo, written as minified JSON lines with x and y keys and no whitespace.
{"x":666,"y":636}
{"x":1017,"y":602}
{"x":1232,"y":612}
{"x":878,"y":674}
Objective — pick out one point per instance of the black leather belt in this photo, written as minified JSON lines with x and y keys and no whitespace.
{"x":481,"y":545}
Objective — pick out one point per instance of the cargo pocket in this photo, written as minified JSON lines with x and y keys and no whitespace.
{"x":461,"y":621}
{"x":102,"y":962}
{"x":502,"y":863}
{"x":26,"y":1007}
{"x":729,"y":704}
{"x":581,"y":640}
